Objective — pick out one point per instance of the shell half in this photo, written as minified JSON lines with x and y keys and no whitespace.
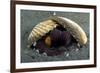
{"x":77,"y":32}
{"x":40,"y":30}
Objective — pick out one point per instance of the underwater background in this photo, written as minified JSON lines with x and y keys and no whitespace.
{"x":30,"y":18}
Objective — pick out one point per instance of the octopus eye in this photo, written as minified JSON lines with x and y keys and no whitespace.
{"x":48,"y":41}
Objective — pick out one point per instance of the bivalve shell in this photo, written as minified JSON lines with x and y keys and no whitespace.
{"x":40,"y":30}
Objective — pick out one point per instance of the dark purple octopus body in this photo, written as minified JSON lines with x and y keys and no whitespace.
{"x":59,"y":37}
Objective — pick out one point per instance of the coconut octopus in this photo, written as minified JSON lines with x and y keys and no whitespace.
{"x":48,"y":36}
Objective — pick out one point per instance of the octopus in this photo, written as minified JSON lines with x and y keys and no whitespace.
{"x":56,"y":38}
{"x":55,"y":32}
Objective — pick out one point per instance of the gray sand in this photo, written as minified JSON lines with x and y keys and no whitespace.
{"x":30,"y":18}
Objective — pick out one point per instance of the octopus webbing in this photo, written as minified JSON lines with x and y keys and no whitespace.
{"x":50,"y":43}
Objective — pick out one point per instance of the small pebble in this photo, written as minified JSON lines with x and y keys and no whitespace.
{"x":37,"y":51}
{"x":66,"y":54}
{"x":54,"y":13}
{"x":78,"y":44}
{"x":34,"y":44}
{"x":77,"y":50}
{"x":44,"y":54}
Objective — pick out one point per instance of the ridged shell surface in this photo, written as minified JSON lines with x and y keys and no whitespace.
{"x":40,"y":30}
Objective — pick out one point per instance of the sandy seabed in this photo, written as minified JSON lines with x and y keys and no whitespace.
{"x":30,"y":18}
